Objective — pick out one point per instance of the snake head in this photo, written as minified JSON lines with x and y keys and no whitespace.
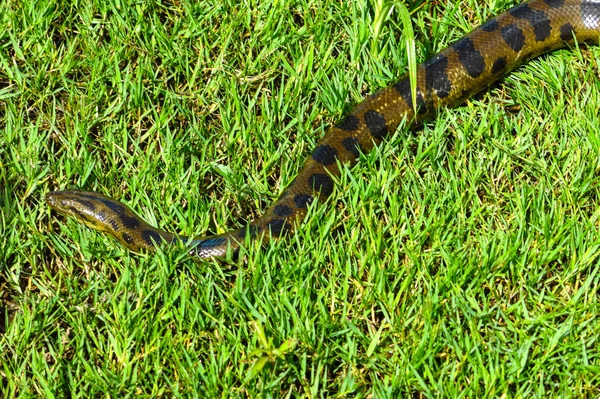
{"x":92,"y":209}
{"x":109,"y":216}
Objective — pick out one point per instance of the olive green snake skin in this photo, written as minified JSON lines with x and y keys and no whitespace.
{"x":444,"y":80}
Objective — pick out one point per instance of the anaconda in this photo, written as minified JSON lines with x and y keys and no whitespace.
{"x":444,"y":80}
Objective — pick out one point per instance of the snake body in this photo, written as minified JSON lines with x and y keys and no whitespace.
{"x":445,"y":80}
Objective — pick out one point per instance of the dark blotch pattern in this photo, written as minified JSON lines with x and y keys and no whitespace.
{"x":113,"y":206}
{"x":513,"y":36}
{"x":322,"y":183}
{"x":325,"y":154}
{"x":469,"y":57}
{"x":403,"y":88}
{"x":77,"y":212}
{"x":151,"y":237}
{"x":499,"y":65}
{"x":537,"y":19}
{"x":350,"y":123}
{"x":282,"y":210}
{"x":128,"y":222}
{"x":566,"y":32}
{"x":113,"y":224}
{"x":422,"y":105}
{"x":127,"y":238}
{"x":554,"y":3}
{"x":86,"y":204}
{"x":277,"y":226}
{"x":89,"y":197}
{"x":436,"y":76}
{"x":252,"y":230}
{"x":376,"y":124}
{"x":490,"y":25}
{"x":352,"y":145}
{"x":302,"y":201}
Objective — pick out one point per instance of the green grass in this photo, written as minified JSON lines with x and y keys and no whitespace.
{"x":460,"y":260}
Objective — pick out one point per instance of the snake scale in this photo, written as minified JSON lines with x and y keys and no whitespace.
{"x":445,"y":80}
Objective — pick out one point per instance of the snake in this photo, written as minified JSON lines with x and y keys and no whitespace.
{"x":446,"y":79}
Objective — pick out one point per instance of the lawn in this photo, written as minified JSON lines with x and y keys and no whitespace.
{"x":458,"y":260}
